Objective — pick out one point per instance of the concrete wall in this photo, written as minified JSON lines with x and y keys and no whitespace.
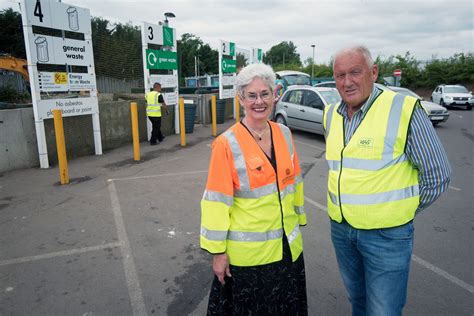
{"x":18,"y":145}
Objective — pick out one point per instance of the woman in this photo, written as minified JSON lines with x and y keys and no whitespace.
{"x":252,"y":209}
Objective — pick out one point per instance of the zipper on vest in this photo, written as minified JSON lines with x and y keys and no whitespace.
{"x":340,"y":169}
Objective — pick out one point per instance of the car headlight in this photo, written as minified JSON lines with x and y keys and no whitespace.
{"x":448,"y":97}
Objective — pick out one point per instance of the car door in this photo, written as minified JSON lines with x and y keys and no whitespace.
{"x":292,"y":106}
{"x":312,"y":112}
{"x":436,"y":95}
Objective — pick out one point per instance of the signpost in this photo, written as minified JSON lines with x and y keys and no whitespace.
{"x":227,"y":71}
{"x":161,"y":65}
{"x":41,"y":17}
{"x":397,"y":73}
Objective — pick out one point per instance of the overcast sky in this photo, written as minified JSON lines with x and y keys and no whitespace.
{"x":425,"y":28}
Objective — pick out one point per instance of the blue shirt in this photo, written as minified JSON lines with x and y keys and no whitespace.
{"x":423,"y":149}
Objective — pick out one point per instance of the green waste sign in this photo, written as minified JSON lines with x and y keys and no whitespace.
{"x":160,"y":59}
{"x":167,"y":36}
{"x":229,"y":65}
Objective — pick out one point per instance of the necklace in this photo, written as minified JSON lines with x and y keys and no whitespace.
{"x":259,"y":135}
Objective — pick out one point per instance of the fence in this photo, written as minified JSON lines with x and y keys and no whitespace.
{"x":112,"y":85}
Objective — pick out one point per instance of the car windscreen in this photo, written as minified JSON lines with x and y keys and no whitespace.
{"x":456,"y":89}
{"x":331,"y":96}
{"x":297,"y":79}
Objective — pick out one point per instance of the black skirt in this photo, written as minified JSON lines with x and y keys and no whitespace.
{"x":277,"y":288}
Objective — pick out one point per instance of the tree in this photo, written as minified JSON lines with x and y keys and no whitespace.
{"x":191,"y":46}
{"x":283,"y":54}
{"x":11,"y":36}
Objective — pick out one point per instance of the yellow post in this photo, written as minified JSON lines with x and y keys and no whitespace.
{"x":61,"y":146}
{"x":214,"y":116}
{"x":136,"y":141}
{"x":182,"y":128}
{"x":237,"y":109}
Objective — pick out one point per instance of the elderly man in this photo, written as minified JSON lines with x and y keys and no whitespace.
{"x":386,"y":164}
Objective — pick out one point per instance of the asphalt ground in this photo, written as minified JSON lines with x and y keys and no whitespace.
{"x":123,"y":237}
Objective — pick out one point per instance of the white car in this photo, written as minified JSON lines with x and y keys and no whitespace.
{"x":301,"y":107}
{"x":436,"y":113}
{"x":452,"y":95}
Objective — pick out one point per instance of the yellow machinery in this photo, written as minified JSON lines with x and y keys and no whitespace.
{"x":15,"y":64}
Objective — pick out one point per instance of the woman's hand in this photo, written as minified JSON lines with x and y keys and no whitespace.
{"x":220,"y":265}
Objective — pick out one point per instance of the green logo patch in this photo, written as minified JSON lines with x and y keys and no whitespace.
{"x":366,"y":142}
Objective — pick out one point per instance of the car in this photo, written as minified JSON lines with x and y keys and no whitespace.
{"x":328,"y":84}
{"x":301,"y":107}
{"x":452,"y":95}
{"x":436,"y":113}
{"x":290,"y":77}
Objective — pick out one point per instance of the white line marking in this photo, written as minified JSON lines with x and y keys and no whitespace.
{"x":309,"y":145}
{"x":418,"y":260}
{"x":454,"y":188}
{"x":320,"y":206}
{"x":457,"y":115}
{"x":58,"y":254}
{"x":443,"y":274}
{"x":159,"y":175}
{"x":134,"y":290}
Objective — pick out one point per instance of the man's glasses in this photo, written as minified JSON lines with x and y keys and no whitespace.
{"x":253,"y":97}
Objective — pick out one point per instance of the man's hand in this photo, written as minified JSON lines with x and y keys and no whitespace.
{"x":220,"y":265}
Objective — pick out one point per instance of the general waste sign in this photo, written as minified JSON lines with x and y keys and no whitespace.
{"x":397,"y":72}
{"x":229,"y":65}
{"x":160,"y":59}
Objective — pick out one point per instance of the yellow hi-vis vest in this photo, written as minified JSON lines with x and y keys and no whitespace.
{"x":246,"y":206}
{"x":153,"y":107}
{"x":371,"y":182}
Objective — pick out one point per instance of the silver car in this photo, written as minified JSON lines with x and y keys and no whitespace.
{"x":301,"y":107}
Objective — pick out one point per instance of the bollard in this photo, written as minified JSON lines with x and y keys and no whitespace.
{"x":61,"y":146}
{"x":182,"y":127}
{"x":237,"y":109}
{"x":136,"y":141}
{"x":214,"y":116}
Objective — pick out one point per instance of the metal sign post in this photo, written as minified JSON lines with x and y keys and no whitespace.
{"x":73,"y":92}
{"x":227,"y":71}
{"x":161,"y":59}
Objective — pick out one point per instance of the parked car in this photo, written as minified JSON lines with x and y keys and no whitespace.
{"x":301,"y":107}
{"x":328,"y":84}
{"x":436,"y":113}
{"x":453,"y":95}
{"x":291,"y":77}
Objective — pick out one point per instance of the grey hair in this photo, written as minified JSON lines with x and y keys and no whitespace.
{"x":252,"y":71}
{"x":358,"y":49}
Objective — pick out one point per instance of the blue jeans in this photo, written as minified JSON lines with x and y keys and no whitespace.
{"x":374,"y":266}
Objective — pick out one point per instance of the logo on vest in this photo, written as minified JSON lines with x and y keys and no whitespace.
{"x":366,"y":142}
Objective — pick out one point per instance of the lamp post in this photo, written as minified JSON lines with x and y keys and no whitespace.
{"x":312,"y":62}
{"x":168,"y":15}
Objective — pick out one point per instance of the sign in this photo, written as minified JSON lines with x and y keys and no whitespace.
{"x":58,"y":15}
{"x":160,"y":59}
{"x":228,"y":80}
{"x":228,"y":48}
{"x":167,"y":36}
{"x":228,"y":93}
{"x":257,"y":55}
{"x":80,"y":82}
{"x":56,"y":50}
{"x":158,"y":35}
{"x":53,"y":81}
{"x":229,"y":65}
{"x":397,"y":72}
{"x":166,"y":81}
{"x":68,"y":107}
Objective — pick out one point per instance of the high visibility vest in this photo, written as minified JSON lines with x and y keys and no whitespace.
{"x":153,"y":107}
{"x":246,"y":206}
{"x":371,"y":182}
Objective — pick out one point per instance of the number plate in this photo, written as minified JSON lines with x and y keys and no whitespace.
{"x":437,"y":118}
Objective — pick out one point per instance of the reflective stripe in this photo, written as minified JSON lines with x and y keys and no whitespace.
{"x":218,"y":197}
{"x":255,"y":236}
{"x":287,"y":134}
{"x":298,"y":179}
{"x":333,"y":198}
{"x":383,"y":197}
{"x":299,"y":210}
{"x":334,"y":165}
{"x":153,"y":111}
{"x":292,"y":236}
{"x":288,"y":190}
{"x":329,"y":118}
{"x":393,"y":125}
{"x":239,"y":161}
{"x":218,"y":235}
{"x":257,"y":192}
{"x":371,"y":165}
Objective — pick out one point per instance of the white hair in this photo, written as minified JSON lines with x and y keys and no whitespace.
{"x":358,"y":49}
{"x":252,"y":71}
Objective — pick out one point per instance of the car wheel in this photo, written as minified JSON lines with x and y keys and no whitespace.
{"x":469,"y":107}
{"x":280,"y":119}
{"x":441,"y":102}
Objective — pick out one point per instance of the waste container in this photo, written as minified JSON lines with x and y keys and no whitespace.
{"x":220,"y":111}
{"x":189,"y":117}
